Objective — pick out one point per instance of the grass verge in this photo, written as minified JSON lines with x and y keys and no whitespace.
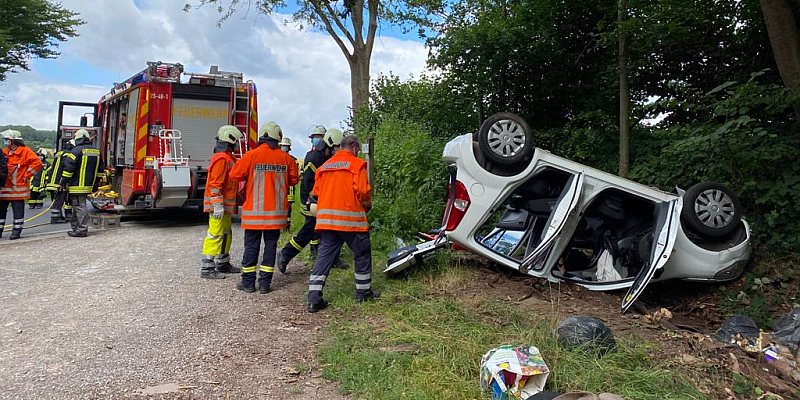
{"x":418,"y":342}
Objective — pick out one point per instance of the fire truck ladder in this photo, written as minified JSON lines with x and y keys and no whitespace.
{"x":245,"y":96}
{"x":170,"y":148}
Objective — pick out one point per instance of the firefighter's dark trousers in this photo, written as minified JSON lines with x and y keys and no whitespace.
{"x":301,"y":239}
{"x":80,"y":214}
{"x":252,"y":244}
{"x":59,"y":197}
{"x":330,"y":244}
{"x":18,"y":209}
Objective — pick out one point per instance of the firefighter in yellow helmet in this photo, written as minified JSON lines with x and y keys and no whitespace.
{"x":80,"y":175}
{"x":219,"y":201}
{"x":269,"y":173}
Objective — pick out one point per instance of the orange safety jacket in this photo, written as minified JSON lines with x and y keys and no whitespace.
{"x":343,"y":194}
{"x":269,"y":173}
{"x":220,"y":188}
{"x":23,"y":164}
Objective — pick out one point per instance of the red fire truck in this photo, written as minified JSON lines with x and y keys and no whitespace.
{"x":156,"y":131}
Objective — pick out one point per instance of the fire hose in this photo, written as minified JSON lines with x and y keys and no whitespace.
{"x":33,"y":218}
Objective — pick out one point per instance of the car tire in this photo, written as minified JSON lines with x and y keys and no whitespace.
{"x":711,"y":209}
{"x":505,"y":138}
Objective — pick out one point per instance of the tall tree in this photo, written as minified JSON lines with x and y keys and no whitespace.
{"x":352,"y":24}
{"x":624,"y":94}
{"x":32,"y":28}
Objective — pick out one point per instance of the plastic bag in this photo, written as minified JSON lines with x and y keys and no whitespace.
{"x":605,"y":268}
{"x":518,"y":370}
{"x":587,"y":333}
{"x":737,"y":325}
{"x":787,"y":330}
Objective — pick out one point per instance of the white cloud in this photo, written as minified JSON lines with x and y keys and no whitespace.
{"x":302,"y":77}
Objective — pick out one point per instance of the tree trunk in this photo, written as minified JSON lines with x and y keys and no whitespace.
{"x":359,"y":79}
{"x":784,"y":38}
{"x":624,"y":96}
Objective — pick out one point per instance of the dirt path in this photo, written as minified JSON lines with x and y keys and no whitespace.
{"x":125,"y":313}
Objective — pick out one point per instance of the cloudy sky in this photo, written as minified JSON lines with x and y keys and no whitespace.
{"x":302,"y":77}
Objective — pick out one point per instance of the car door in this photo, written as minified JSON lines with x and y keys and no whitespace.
{"x":665,"y":231}
{"x":564,"y":210}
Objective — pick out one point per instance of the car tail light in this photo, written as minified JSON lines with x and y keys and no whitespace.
{"x":459,"y":206}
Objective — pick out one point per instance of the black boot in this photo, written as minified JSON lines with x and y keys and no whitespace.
{"x":314,"y":307}
{"x":228,"y":268}
{"x":207,"y":271}
{"x":248,"y":282}
{"x":282,"y":262}
{"x":371,"y":295}
{"x":15,"y":234}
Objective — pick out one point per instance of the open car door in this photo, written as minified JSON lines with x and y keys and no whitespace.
{"x":664,"y":232}
{"x":567,"y":203}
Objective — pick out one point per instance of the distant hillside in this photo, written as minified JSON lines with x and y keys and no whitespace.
{"x":34,"y":138}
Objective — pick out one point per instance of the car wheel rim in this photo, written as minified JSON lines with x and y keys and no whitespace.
{"x":506,"y":138}
{"x":714,"y":208}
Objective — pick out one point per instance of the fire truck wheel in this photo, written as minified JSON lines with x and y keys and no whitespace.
{"x":155,"y":185}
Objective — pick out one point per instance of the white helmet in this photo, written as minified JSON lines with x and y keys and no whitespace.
{"x":333,"y":137}
{"x":12,"y":134}
{"x":271,"y":130}
{"x":229,"y":134}
{"x":81,"y":134}
{"x":285,"y":142}
{"x":318,"y":130}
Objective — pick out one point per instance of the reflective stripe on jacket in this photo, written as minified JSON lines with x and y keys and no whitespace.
{"x":269,"y":173}
{"x":55,"y":171}
{"x":80,"y":167}
{"x":343,"y":194}
{"x":23,"y":164}
{"x":220,"y":188}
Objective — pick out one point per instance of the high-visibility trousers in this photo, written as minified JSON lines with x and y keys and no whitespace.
{"x":217,"y":244}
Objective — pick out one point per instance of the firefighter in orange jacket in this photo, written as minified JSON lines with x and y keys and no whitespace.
{"x":219,"y":201}
{"x":23,"y":164}
{"x":269,"y":173}
{"x":343,"y":199}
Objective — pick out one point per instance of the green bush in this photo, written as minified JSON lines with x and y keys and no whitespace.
{"x":410,"y":179}
{"x":746,"y":137}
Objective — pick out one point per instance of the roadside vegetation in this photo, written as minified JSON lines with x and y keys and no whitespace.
{"x":417,"y":343}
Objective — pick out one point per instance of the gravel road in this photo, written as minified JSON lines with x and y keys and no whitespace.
{"x":124,"y":314}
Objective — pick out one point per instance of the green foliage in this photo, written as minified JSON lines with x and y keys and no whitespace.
{"x":416,"y":343}
{"x":33,"y":138}
{"x":746,"y":137}
{"x":410,"y":179}
{"x":32,"y":28}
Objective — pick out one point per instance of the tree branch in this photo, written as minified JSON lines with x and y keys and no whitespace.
{"x":358,"y":20}
{"x":332,"y":32}
{"x":373,"y":24}
{"x":339,"y":23}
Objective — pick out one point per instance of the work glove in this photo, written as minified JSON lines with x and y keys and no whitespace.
{"x":219,"y":211}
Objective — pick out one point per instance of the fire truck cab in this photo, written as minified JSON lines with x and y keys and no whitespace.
{"x":156,"y":130}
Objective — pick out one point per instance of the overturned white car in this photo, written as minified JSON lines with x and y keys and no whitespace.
{"x":546,"y":216}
